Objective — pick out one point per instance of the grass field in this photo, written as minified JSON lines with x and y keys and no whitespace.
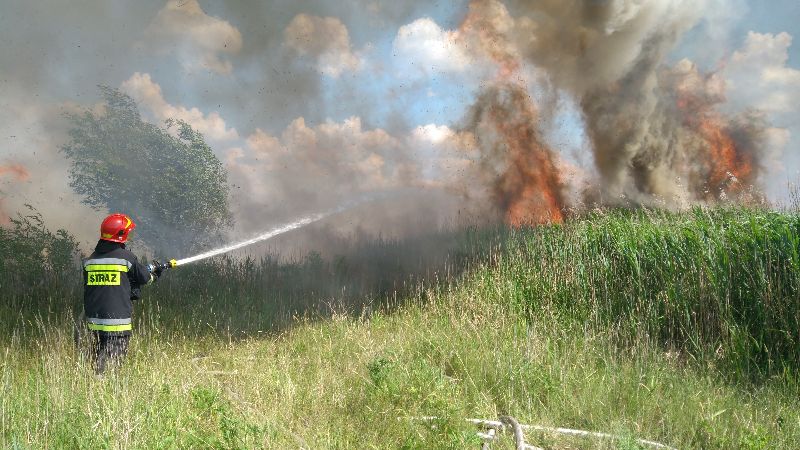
{"x":683,"y":328}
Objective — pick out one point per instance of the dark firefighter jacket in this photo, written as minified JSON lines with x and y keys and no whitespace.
{"x":111,"y":276}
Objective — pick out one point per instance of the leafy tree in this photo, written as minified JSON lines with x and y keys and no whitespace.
{"x":166,"y":178}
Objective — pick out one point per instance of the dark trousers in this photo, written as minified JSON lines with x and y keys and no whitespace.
{"x":108,"y":349}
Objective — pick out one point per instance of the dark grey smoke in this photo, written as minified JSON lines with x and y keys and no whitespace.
{"x":655,"y":136}
{"x":657,"y":130}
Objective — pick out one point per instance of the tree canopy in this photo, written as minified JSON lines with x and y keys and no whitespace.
{"x":165,"y":177}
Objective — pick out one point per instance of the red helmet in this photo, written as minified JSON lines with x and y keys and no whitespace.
{"x":116,"y":227}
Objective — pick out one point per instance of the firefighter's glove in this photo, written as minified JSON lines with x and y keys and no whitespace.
{"x":155,"y":268}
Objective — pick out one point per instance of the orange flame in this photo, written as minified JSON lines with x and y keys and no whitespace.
{"x":727,"y":168}
{"x":20,"y":173}
{"x":529,"y":191}
{"x":726,"y":161}
{"x":16,"y":170}
{"x":528,"y":188}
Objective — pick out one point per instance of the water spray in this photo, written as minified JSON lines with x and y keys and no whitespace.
{"x":262,"y":237}
{"x":157,"y":267}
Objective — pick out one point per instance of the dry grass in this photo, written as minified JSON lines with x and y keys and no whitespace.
{"x":552,"y":326}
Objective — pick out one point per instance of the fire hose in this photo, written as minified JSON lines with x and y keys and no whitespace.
{"x":508,"y":423}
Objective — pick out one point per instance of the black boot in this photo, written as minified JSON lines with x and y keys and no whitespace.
{"x":110,"y":349}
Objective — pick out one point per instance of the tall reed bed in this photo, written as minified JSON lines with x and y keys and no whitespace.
{"x":720,"y":286}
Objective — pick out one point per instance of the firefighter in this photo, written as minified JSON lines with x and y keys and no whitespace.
{"x":112,"y":277}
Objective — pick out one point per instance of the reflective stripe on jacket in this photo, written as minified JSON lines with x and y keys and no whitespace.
{"x":97,"y":324}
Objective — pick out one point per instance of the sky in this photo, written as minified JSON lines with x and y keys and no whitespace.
{"x":309,"y":102}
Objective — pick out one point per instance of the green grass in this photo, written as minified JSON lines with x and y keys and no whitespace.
{"x":680,"y":328}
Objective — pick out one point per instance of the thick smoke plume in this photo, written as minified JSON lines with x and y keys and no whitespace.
{"x":519,"y":111}
{"x":730,"y":148}
{"x":657,"y":133}
{"x":517,"y":165}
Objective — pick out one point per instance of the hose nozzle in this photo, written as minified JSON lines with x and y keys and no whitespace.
{"x":156,"y":267}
